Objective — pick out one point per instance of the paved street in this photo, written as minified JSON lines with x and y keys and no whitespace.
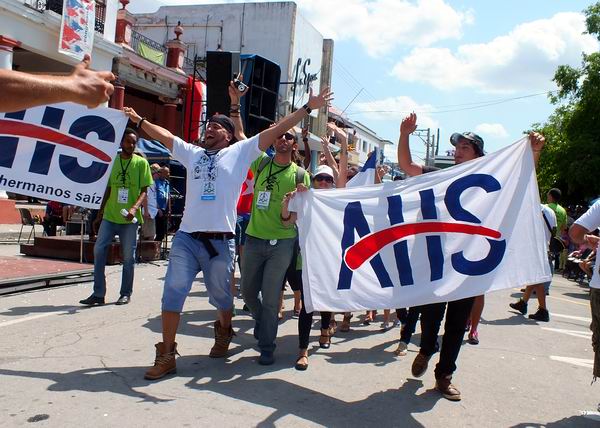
{"x":63,"y":365}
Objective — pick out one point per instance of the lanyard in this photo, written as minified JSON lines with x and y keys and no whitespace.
{"x":270,"y":180}
{"x":124,"y":170}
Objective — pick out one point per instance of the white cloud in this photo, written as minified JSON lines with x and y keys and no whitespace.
{"x":524,"y":59}
{"x":380,"y":25}
{"x":393,"y":109}
{"x":491,"y":130}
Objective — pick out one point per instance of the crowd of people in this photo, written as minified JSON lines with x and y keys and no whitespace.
{"x":217,"y":224}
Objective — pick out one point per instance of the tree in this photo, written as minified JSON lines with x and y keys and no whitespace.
{"x":571,"y":159}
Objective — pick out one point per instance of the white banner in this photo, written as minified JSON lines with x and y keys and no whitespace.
{"x":437,"y":237}
{"x":60,"y":152}
{"x":77,"y":28}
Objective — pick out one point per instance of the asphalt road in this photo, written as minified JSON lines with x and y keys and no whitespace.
{"x":64,"y":365}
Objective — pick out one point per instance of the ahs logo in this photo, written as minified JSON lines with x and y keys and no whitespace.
{"x":48,"y":135}
{"x":370,"y":244}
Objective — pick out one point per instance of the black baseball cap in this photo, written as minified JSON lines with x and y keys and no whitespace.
{"x":473,"y":138}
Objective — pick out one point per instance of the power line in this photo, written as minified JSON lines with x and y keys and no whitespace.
{"x":473,"y":106}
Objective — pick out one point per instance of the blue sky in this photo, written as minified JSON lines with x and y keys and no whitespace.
{"x":444,"y":59}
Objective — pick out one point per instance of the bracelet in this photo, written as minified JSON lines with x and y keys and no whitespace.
{"x":306,"y":108}
{"x":304,"y":139}
{"x":139,"y":124}
{"x":285,"y":218}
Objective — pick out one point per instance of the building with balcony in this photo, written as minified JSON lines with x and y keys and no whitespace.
{"x":29,"y":33}
{"x":151,"y":76}
{"x":273,"y":30}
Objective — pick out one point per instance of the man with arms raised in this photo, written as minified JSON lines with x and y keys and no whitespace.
{"x":468,"y":146}
{"x":205,"y":241}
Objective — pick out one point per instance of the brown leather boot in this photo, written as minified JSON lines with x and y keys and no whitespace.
{"x":164,"y":362}
{"x":449,"y":391}
{"x":222,"y":340}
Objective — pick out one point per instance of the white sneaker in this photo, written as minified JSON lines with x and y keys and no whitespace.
{"x":401,"y":350}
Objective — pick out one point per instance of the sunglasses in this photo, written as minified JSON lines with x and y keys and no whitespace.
{"x":287,"y":136}
{"x":325,"y":178}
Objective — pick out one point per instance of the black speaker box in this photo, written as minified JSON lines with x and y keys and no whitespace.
{"x":221,"y":67}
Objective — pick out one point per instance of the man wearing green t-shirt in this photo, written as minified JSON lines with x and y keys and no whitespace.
{"x":269,"y":244}
{"x":126,"y":190}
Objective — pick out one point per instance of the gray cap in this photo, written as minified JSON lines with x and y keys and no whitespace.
{"x":473,"y":138}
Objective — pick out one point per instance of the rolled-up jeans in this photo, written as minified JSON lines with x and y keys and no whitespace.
{"x":127,"y":238}
{"x":263,"y":269}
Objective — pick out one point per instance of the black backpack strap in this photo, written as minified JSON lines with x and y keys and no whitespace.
{"x":547,"y":223}
{"x":261,"y":166}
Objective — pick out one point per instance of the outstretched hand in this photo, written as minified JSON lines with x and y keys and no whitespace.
{"x":537,"y":141}
{"x":234,"y":93}
{"x":132,"y":115}
{"x":88,"y":87}
{"x":409,"y":124}
{"x":321,"y":100}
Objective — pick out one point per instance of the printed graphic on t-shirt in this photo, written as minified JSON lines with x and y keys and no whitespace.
{"x":205,"y":167}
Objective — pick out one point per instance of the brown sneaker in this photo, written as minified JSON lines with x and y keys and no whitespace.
{"x":164,"y":362}
{"x":222,"y":340}
{"x":449,"y":391}
{"x":419,"y":365}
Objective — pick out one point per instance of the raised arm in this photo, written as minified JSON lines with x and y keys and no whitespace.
{"x":234,"y":110}
{"x":307,"y":153}
{"x":329,"y":157}
{"x":82,"y":86}
{"x":155,"y":132}
{"x":268,"y":136}
{"x":343,"y":172}
{"x":408,"y":126}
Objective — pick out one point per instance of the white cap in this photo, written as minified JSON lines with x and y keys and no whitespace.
{"x":324,"y":170}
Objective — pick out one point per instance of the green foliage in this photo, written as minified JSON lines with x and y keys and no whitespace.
{"x":571,"y":158}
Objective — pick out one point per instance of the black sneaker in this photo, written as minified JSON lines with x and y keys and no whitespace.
{"x":541,"y":315}
{"x":520,"y":306}
{"x":92,"y":301}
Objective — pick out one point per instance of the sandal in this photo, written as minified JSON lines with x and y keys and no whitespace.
{"x":332,"y":327}
{"x":325,"y":340}
{"x":301,"y":366}
{"x":345,"y":327}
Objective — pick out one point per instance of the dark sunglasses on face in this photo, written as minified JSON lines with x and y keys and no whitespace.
{"x":287,"y":136}
{"x":325,"y":178}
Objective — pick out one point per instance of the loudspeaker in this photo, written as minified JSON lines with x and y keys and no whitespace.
{"x":220,"y":69}
{"x":259,"y":105}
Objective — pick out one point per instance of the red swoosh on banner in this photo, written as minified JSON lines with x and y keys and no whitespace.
{"x":371,"y":244}
{"x":20,"y":129}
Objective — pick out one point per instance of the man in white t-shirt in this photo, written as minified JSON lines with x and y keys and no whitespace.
{"x":579,"y":233}
{"x":205,"y":240}
{"x":542,"y":314}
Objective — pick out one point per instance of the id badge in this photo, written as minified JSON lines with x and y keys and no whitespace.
{"x":123,"y":195}
{"x":209,"y":191}
{"x":262,"y":202}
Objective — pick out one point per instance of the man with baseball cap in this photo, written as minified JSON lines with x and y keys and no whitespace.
{"x":468,"y":146}
{"x":205,"y":241}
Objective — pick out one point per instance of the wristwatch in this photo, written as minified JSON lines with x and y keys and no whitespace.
{"x":307,"y":108}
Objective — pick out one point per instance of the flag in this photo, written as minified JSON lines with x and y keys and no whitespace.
{"x":367,"y":173}
{"x":438,"y":237}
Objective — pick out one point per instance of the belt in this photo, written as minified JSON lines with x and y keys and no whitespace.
{"x":205,"y":238}
{"x":222,"y":236}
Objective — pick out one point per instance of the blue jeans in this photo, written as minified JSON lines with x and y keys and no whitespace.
{"x":127,"y":239}
{"x":263,"y":270}
{"x":187,"y":258}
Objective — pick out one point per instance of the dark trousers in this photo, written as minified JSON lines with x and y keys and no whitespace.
{"x":457,"y":314}
{"x":161,"y":226}
{"x":305,"y":323}
{"x":408,"y":318}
